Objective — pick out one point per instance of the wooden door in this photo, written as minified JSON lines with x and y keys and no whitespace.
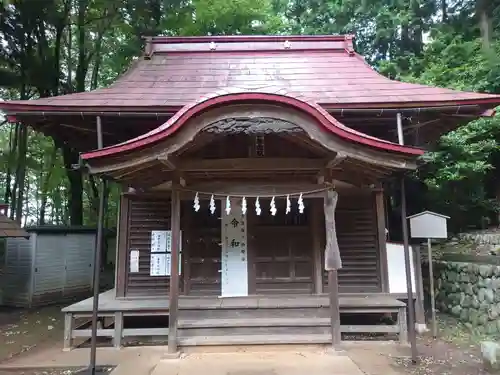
{"x":280,"y":249}
{"x":203,"y":250}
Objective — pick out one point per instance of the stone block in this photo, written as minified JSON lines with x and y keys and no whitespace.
{"x":473,"y":318}
{"x":468,"y":289}
{"x":464,"y":278}
{"x":466,"y":301}
{"x":491,"y":328}
{"x":464,"y":315}
{"x":487,"y":283}
{"x":455,"y":310}
{"x":485,"y":270}
{"x":475,"y":302}
{"x":493,"y":312}
{"x":482,"y":319}
{"x":489,"y":296}
{"x":490,"y":353}
{"x":480,"y":295}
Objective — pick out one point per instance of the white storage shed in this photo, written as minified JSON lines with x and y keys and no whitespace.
{"x":53,"y":265}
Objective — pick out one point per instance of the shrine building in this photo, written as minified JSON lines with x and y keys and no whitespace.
{"x":253,"y":171}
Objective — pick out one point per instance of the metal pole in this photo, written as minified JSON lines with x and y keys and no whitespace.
{"x":411,"y":306}
{"x":409,"y":288}
{"x":97,"y":260}
{"x":431,"y":287}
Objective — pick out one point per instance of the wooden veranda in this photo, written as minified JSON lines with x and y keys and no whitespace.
{"x":276,"y":319}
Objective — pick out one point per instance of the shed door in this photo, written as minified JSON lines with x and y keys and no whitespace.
{"x":79,"y":251}
{"x":49,"y":276}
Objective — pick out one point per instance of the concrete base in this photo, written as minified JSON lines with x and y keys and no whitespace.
{"x":335,"y":351}
{"x":490,"y":352}
{"x":421,"y":328}
{"x":170,"y":356}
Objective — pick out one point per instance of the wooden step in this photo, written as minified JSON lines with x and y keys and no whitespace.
{"x":254,"y":322}
{"x":255,"y":339}
{"x":255,"y":313}
{"x":253,"y":331}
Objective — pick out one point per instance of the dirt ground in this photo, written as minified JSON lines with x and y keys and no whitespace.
{"x":27,"y":330}
{"x":23,"y":331}
{"x":455,"y":352}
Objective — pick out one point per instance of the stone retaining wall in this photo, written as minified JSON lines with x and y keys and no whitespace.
{"x":470,"y":292}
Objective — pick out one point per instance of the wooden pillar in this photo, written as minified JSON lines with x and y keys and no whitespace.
{"x":118,"y":331}
{"x":316,"y":231}
{"x":419,"y":307}
{"x":68,"y":331}
{"x":332,"y":263}
{"x":186,"y":269}
{"x":410,"y":303}
{"x":381,"y":237}
{"x":122,"y":252}
{"x":406,"y":244}
{"x":97,"y":258}
{"x":175,"y":226}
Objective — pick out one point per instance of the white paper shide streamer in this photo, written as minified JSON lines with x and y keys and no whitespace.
{"x":244,"y":203}
{"x":196,"y":203}
{"x":212,"y":204}
{"x":301,"y":204}
{"x":244,"y":206}
{"x":228,"y":205}
{"x":258,"y":210}
{"x":272,"y":208}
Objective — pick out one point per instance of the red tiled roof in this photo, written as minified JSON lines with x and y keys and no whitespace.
{"x":276,"y":96}
{"x":9,"y":228}
{"x":181,"y":70}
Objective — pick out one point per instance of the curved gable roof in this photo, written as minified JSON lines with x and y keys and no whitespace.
{"x":177,"y":71}
{"x":226,"y":97}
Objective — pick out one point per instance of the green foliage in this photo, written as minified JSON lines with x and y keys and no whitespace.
{"x":52,"y":47}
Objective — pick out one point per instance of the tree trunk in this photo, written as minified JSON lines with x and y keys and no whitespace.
{"x":13,"y":193}
{"x":75,"y":201}
{"x":82,"y":67}
{"x":21,"y":172}
{"x":10,"y":161}
{"x":45,"y":187}
{"x":484,"y":22}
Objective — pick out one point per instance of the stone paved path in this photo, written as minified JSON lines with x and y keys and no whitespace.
{"x":355,"y":360}
{"x":261,"y":363}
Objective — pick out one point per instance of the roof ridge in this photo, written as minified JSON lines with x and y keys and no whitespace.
{"x":247,"y":38}
{"x":249,"y":43}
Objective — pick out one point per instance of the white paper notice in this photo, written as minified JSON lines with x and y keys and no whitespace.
{"x":234,"y":278}
{"x":158,"y":265}
{"x":159,"y":241}
{"x":134,"y":261}
{"x":169,"y":263}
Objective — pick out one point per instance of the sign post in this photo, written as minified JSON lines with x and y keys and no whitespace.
{"x":429,"y":225}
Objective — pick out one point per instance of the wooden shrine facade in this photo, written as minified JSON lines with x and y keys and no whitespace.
{"x":252,"y":123}
{"x":265,"y":195}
